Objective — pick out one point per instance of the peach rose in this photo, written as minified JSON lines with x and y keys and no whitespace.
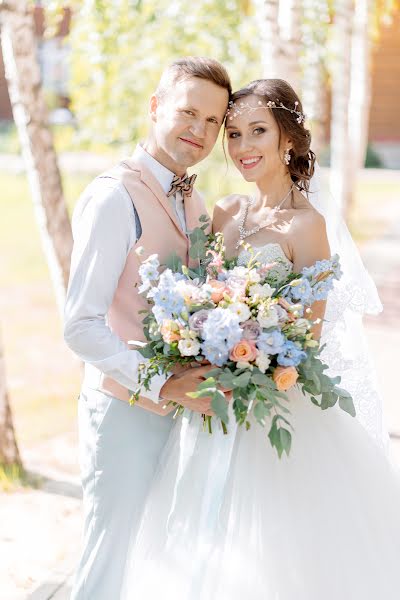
{"x":285,"y":378}
{"x":219,"y":289}
{"x":244,"y":351}
{"x":170,"y":331}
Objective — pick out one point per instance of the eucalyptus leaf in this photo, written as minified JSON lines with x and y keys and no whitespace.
{"x":220,"y":406}
{"x":260,"y":379}
{"x":197,"y":250}
{"x":174,"y":262}
{"x":261,"y":411}
{"x":147,"y":351}
{"x":207,"y":383}
{"x":242,"y":380}
{"x":346,"y":404}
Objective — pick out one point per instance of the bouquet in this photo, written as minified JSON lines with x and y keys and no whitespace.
{"x":251,"y":322}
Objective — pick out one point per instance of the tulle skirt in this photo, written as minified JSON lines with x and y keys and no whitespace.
{"x":226,"y":519}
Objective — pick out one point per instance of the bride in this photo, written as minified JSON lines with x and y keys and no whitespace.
{"x":226,"y":519}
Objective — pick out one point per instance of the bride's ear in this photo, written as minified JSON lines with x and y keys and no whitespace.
{"x":287,"y":144}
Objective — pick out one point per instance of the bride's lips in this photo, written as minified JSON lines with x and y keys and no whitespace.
{"x":250,"y":161}
{"x":191,"y":142}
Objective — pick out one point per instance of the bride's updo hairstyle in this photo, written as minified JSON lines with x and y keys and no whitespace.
{"x":302,"y":158}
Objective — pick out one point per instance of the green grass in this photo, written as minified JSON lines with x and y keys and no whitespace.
{"x":14,"y":477}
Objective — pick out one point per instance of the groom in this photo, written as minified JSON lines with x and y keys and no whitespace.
{"x":141,"y":202}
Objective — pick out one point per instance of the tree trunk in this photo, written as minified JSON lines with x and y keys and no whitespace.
{"x":341,"y":160}
{"x":360,"y":87}
{"x":315,"y":77}
{"x":280,"y":46}
{"x":9,"y":454}
{"x":268,"y":18}
{"x":31,"y":118}
{"x":291,"y":42}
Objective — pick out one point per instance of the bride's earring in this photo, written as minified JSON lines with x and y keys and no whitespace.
{"x":287,"y":156}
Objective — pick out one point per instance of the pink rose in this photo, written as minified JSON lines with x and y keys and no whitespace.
{"x":170,"y":331}
{"x":285,"y":378}
{"x":219,"y":290}
{"x":244,"y":351}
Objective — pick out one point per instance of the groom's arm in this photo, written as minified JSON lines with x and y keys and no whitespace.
{"x":105,"y":230}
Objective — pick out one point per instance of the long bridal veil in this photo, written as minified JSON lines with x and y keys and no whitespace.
{"x":346,"y":350}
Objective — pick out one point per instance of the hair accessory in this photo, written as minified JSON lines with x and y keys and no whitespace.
{"x":238,"y":109}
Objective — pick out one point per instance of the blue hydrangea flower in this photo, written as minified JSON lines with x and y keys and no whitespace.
{"x":222,"y":326}
{"x":302,"y":291}
{"x":291,"y":355}
{"x":221,"y":331}
{"x":309,"y":272}
{"x":321,"y":289}
{"x":217,"y":355}
{"x":271,"y":342}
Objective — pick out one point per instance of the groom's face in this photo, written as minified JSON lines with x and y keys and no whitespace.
{"x":186,"y":122}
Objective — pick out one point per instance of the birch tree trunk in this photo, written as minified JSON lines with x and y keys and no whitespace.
{"x":360,"y":85}
{"x":315,"y":77}
{"x":280,"y":39}
{"x":9,"y":453}
{"x":267,"y":12}
{"x":291,"y":44}
{"x":341,"y":160}
{"x":31,"y":118}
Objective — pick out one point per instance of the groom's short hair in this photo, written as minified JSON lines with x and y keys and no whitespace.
{"x":194,"y":66}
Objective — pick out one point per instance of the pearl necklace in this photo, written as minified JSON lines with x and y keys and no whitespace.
{"x":244,"y":233}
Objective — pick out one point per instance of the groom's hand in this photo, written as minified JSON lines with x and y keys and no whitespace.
{"x":177,"y":386}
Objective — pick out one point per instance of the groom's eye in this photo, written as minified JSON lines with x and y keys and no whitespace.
{"x":189,"y":112}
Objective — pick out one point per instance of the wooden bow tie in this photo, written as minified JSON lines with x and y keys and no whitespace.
{"x":183,"y":185}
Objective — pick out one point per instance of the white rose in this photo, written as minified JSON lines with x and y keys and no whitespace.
{"x":241,"y":272}
{"x":254,"y":276}
{"x":268,"y":317}
{"x":262,"y":291}
{"x":301,"y":326}
{"x":241,"y":310}
{"x":188,"y":347}
{"x":263,"y":361}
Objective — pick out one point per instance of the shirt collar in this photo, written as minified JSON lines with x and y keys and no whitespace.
{"x":163,"y":175}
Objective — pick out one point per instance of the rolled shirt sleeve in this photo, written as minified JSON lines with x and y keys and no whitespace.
{"x":105,"y":230}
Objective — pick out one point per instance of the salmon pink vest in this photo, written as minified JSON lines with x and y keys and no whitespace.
{"x":162,"y":235}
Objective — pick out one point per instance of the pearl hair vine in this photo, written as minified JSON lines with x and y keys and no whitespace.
{"x":238,"y":109}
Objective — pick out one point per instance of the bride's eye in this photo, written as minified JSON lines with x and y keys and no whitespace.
{"x":259,"y":130}
{"x":233,"y":135}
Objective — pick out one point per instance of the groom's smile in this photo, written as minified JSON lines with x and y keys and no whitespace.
{"x":191,"y":142}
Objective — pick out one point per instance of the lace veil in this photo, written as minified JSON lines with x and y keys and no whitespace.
{"x":346,"y":350}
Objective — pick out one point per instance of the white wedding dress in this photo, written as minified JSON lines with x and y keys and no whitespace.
{"x":226,"y":519}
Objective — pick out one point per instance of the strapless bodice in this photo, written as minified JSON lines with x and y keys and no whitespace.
{"x":270,"y":253}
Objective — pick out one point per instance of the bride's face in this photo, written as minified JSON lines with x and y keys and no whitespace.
{"x":254,"y":143}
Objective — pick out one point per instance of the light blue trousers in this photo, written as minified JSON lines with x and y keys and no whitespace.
{"x":120,"y":447}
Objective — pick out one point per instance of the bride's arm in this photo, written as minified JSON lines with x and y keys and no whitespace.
{"x":309,"y":244}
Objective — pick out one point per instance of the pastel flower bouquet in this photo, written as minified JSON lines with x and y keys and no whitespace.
{"x":252,"y":323}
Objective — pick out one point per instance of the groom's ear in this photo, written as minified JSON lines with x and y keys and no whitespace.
{"x":153,"y":107}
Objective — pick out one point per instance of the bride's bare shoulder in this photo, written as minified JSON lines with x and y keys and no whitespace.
{"x":308,"y":217}
{"x":227,"y":208}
